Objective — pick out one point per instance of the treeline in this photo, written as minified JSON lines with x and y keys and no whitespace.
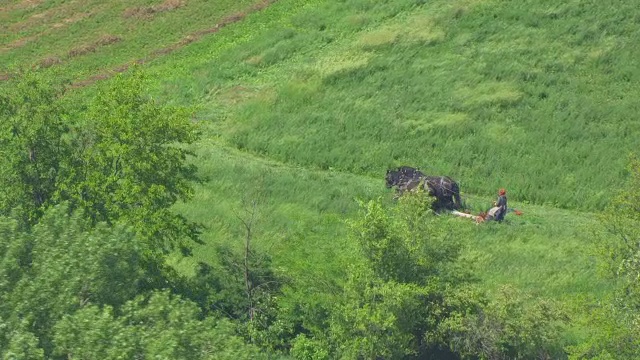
{"x":87,"y":227}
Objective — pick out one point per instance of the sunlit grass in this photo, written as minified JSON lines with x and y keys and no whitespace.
{"x":307,"y":103}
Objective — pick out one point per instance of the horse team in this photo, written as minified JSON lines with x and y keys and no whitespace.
{"x":444,"y":189}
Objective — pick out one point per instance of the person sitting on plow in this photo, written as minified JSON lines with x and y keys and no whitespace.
{"x":498,"y":211}
{"x":501,"y":204}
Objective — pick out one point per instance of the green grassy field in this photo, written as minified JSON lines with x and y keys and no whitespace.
{"x":534,"y":102}
{"x":305,"y":104}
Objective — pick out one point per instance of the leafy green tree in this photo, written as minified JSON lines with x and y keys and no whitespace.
{"x":622,"y":251}
{"x":33,"y":147}
{"x":306,"y":347}
{"x":120,"y":159}
{"x":510,"y":326}
{"x":64,"y":264}
{"x":617,"y":334}
{"x":409,"y":296}
{"x":94,"y":333}
{"x":404,"y":243}
{"x":160,"y":325}
{"x":407,"y":284}
{"x":20,"y":343}
{"x":379,"y":319}
{"x":72,"y":289}
{"x":612,"y":334}
{"x":130,"y":165}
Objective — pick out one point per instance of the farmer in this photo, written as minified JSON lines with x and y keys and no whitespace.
{"x":501,"y":204}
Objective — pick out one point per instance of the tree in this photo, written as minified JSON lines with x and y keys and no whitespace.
{"x":122,"y":159}
{"x":130,"y":164}
{"x":408,"y":284}
{"x":63,"y":264}
{"x":617,"y":336}
{"x":622,"y":252}
{"x":409,"y":297}
{"x":510,"y":326}
{"x":19,"y":343}
{"x":33,"y":147}
{"x":72,"y":289}
{"x":158,"y":325}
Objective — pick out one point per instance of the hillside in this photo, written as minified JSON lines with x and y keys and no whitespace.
{"x":533,"y":98}
{"x":304,"y":105}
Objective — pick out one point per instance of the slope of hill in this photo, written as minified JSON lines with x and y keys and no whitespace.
{"x":534,"y":96}
{"x":305,"y":104}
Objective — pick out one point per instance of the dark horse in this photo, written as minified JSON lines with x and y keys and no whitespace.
{"x":443,"y":188}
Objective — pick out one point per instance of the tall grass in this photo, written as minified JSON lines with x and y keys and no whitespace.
{"x":538,"y":98}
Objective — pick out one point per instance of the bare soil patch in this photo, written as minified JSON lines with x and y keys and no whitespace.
{"x":104,"y":40}
{"x":148,"y":12}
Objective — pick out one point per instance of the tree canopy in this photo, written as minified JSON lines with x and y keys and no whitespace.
{"x":122,"y":158}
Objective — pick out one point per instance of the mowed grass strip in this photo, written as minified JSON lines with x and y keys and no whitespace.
{"x":302,"y":224}
{"x":301,"y":213}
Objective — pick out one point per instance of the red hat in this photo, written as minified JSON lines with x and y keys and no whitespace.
{"x":502,"y":192}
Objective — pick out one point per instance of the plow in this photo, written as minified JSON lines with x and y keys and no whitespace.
{"x":483,"y":216}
